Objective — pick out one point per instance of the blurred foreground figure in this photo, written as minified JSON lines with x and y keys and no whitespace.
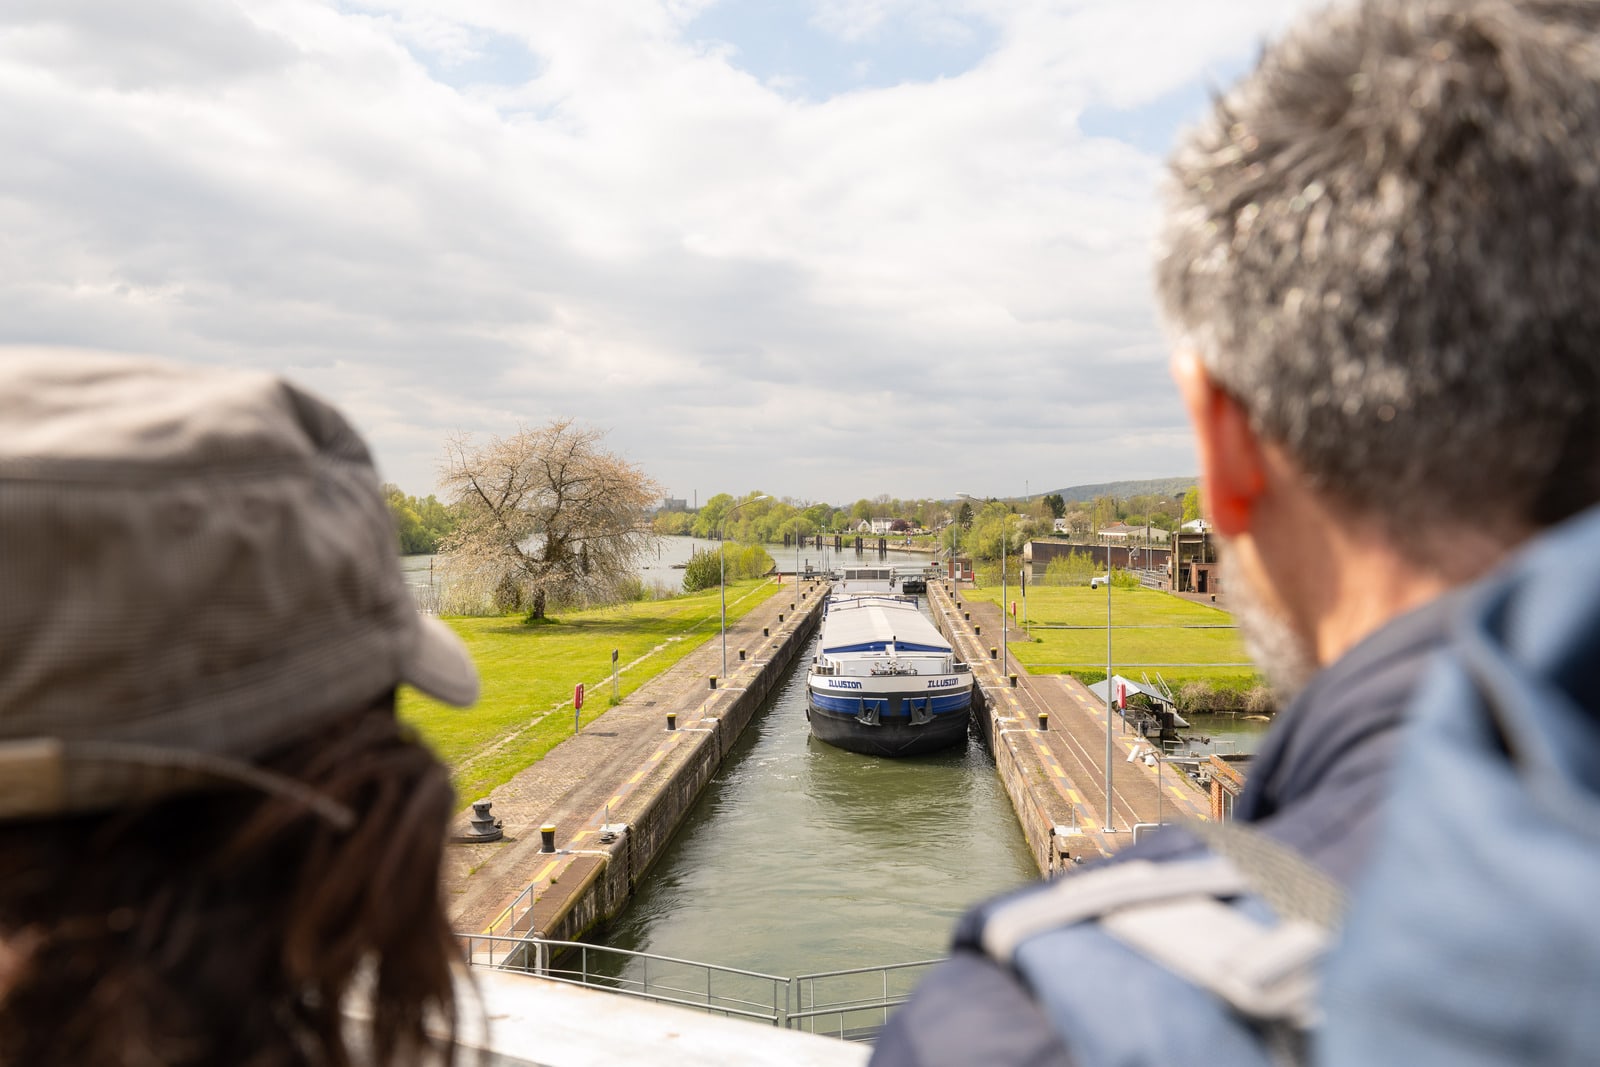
{"x":1382,"y":273}
{"x":214,"y":835}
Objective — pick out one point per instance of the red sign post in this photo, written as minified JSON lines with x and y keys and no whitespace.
{"x":577,"y":705}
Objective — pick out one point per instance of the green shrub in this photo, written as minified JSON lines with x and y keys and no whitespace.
{"x":704,"y":570}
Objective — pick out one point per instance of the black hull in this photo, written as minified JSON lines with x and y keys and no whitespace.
{"x":890,"y":738}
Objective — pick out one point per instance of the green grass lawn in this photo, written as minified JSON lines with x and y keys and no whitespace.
{"x":1151,"y":632}
{"x":528,"y":672}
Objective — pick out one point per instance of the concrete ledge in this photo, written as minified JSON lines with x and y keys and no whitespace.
{"x":514,"y":1020}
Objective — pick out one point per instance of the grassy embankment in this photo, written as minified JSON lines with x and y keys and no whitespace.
{"x":1152,"y":633}
{"x":528,"y":671}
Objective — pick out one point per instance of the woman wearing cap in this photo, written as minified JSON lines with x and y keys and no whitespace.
{"x":217,"y":844}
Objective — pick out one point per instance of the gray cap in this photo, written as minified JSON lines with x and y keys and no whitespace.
{"x":197,"y":565}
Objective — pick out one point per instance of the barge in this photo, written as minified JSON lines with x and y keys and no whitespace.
{"x":884,"y":681}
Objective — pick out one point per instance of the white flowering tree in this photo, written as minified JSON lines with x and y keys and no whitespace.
{"x":547,"y":516}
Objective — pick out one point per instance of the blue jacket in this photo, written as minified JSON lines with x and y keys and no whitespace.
{"x":1316,"y":786}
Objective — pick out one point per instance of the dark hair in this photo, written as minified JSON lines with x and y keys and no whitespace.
{"x":230,"y":927}
{"x":1385,"y":243}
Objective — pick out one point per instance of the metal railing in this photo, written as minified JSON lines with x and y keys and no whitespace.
{"x":507,"y":920}
{"x":851,"y":1004}
{"x":663,"y":979}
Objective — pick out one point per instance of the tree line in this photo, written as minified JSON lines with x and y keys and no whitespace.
{"x":547,"y":518}
{"x":421,"y":522}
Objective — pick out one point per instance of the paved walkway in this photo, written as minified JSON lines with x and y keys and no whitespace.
{"x":575,"y":783}
{"x":1071,"y":752}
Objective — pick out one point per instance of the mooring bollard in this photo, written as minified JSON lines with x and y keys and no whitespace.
{"x":766,"y":631}
{"x":1044,"y":720}
{"x":967,"y":615}
{"x":485,"y":827}
{"x":547,"y":838}
{"x":977,"y":631}
{"x":780,"y":618}
{"x":1013,"y":681}
{"x":672,"y":720}
{"x":741,"y":655}
{"x":994,"y":653}
{"x":713,"y":681}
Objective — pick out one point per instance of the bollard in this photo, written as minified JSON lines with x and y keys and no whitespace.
{"x":1044,"y":720}
{"x":780,"y":618}
{"x":791,"y":605}
{"x":741,"y":655}
{"x":485,"y":827}
{"x":766,"y":631}
{"x":994,"y":653}
{"x":547,"y":838}
{"x":672,"y":720}
{"x":977,"y":631}
{"x":967,"y":615}
{"x":713,"y":681}
{"x":1013,"y":681}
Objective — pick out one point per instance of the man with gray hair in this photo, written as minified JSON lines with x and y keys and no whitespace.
{"x":1382,"y":272}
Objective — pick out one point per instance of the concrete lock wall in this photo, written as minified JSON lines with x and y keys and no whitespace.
{"x":658,"y":806}
{"x":1020,"y":773}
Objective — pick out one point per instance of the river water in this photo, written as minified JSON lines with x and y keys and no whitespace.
{"x":800,"y":857}
{"x":663,"y":566}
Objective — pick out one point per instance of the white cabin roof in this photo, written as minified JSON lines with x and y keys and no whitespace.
{"x":869,"y":624}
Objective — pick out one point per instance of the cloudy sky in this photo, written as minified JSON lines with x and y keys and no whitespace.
{"x":824,"y":248}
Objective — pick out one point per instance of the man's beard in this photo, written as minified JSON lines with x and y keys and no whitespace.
{"x":1283,"y":655}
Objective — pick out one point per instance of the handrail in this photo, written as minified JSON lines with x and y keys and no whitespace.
{"x":793,"y":1002}
{"x":805,"y":1005}
{"x":536,"y":956}
{"x":869,"y":970}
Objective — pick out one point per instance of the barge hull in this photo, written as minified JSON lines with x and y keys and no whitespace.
{"x":892,"y":737}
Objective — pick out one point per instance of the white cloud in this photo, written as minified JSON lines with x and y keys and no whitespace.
{"x":911,"y":289}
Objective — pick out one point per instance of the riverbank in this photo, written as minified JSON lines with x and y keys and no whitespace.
{"x":528,"y":673}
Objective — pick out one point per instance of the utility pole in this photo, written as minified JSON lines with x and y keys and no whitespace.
{"x":1005,"y":603}
{"x":1110,"y":827}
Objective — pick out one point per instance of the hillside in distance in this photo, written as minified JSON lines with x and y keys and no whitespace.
{"x":1173,"y":488}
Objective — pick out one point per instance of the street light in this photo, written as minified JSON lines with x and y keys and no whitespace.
{"x":722,"y":575}
{"x":955,"y":539}
{"x":1005,"y":650}
{"x":955,"y":547}
{"x":1110,"y":826}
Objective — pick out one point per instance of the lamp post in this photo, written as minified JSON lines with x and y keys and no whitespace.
{"x":957,"y":540}
{"x":1005,"y":601}
{"x":722,"y":576}
{"x":1110,"y":827}
{"x":955,"y":549}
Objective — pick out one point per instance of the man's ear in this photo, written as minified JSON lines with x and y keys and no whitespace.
{"x":1232,"y":465}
